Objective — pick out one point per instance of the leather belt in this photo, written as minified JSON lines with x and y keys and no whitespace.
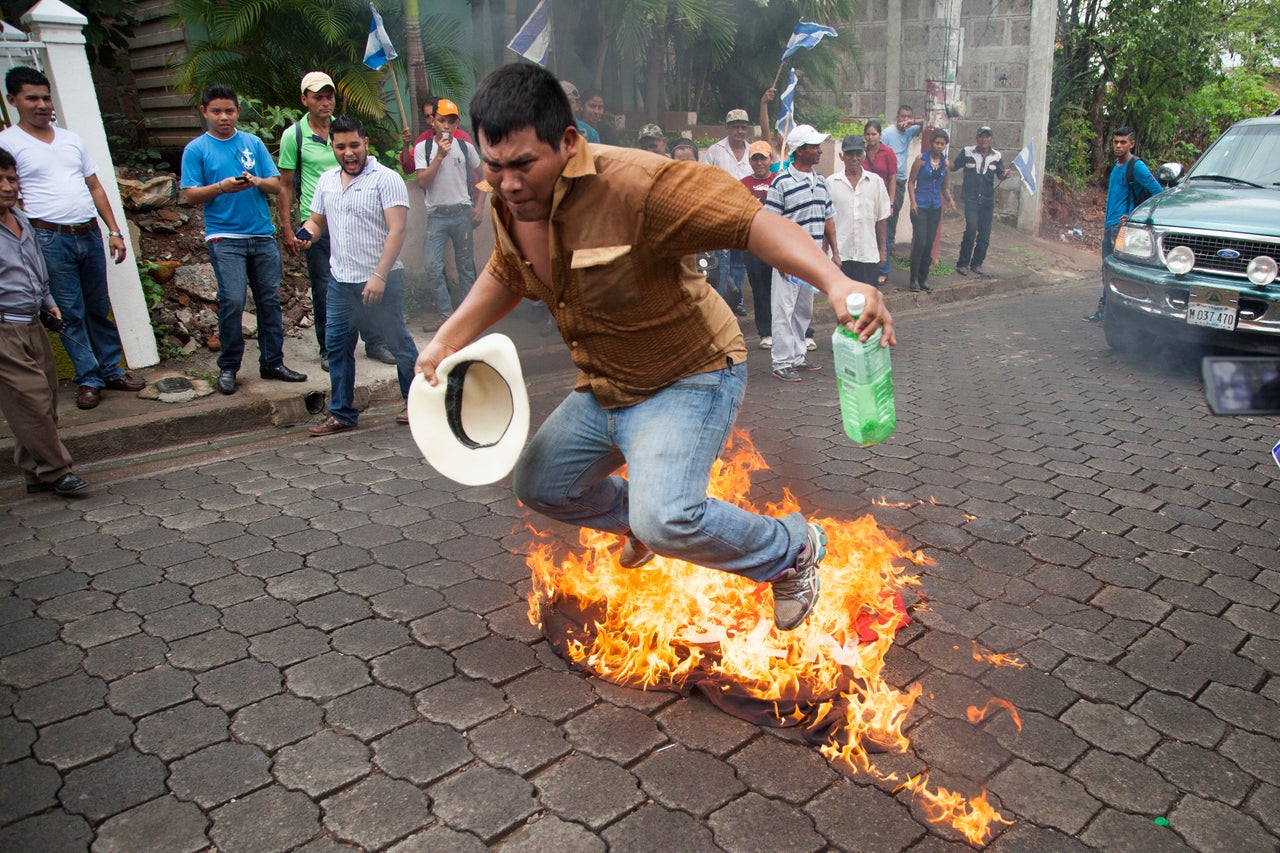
{"x":448,"y":208}
{"x":78,"y":228}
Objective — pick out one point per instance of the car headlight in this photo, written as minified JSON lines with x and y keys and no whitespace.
{"x":1180,"y":260}
{"x":1134,"y":241}
{"x":1262,"y":270}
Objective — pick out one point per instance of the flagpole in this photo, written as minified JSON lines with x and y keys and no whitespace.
{"x":779,"y":74}
{"x":395,"y":86}
{"x":551,"y":38}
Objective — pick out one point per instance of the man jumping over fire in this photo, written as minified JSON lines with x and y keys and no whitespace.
{"x":605,"y":238}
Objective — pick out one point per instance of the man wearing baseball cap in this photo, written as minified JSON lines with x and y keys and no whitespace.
{"x":760,"y":274}
{"x":861,"y":202}
{"x":652,"y":139}
{"x":305,"y":154}
{"x":982,"y":166}
{"x":800,"y":194}
{"x":731,"y":155}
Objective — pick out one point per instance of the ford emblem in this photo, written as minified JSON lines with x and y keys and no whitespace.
{"x":1228,"y":254}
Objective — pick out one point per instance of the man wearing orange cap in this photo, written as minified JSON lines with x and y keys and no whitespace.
{"x":447,"y":171}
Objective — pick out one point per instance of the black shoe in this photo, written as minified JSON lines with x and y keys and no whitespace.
{"x":740,"y":310}
{"x":380,"y":352}
{"x":282,"y":373}
{"x":976,"y":270}
{"x":226,"y":383}
{"x":67,"y":484}
{"x":926,"y":287}
{"x":1095,"y":317}
{"x":962,"y":271}
{"x":324,"y":362}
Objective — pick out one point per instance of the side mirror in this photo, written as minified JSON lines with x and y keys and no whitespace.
{"x":1168,"y":174}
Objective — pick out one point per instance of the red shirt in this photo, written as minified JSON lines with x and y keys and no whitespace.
{"x":406,"y":156}
{"x":883,"y":163}
{"x":759,"y":186}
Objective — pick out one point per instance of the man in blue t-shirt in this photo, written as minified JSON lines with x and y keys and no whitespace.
{"x":898,"y":138}
{"x":1120,"y":197}
{"x":231,"y":174}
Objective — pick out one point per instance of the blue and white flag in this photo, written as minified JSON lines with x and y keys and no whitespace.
{"x":533,"y":41}
{"x":806,"y":35}
{"x":1025,"y":163}
{"x":787,"y":118}
{"x":378,"y":50}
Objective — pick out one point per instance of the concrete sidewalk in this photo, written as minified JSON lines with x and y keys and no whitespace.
{"x":128,"y":427}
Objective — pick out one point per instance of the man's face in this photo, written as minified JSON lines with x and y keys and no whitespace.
{"x":523,"y":170}
{"x":320,"y":104}
{"x":808,"y":155}
{"x":760,"y":166}
{"x":685,"y":154}
{"x":429,"y":117}
{"x":1122,"y":145}
{"x":593,"y":109}
{"x":939,"y":144}
{"x":738,"y":131}
{"x":446,"y":125}
{"x":8,"y":189}
{"x":653,"y":144}
{"x":905,"y":118}
{"x":352,"y":151}
{"x":34,"y":105}
{"x":853,"y":161}
{"x":984,"y":141}
{"x":221,"y":114}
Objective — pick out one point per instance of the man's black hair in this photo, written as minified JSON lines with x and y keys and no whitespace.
{"x":906,"y":107}
{"x":218,"y":92}
{"x":938,"y":133}
{"x":873,"y":122}
{"x":20,"y":76}
{"x":517,"y":96}
{"x":432,"y":101}
{"x":6,"y":160}
{"x":345,"y":124}
{"x":1125,"y":131}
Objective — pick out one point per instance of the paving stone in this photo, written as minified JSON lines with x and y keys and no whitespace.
{"x":1202,"y":772}
{"x":1126,"y":833}
{"x":181,"y":731}
{"x":327,"y":676}
{"x":1044,"y":796}
{"x":57,"y":700}
{"x":368,"y":581}
{"x":588,"y":790}
{"x":552,"y":835}
{"x":164,"y":823}
{"x":258,"y":616}
{"x":697,"y":724}
{"x":297,"y":587}
{"x":227,"y":591}
{"x":1042,"y":740}
{"x":518,"y":742}
{"x":949,"y":653}
{"x":1243,"y":708}
{"x":43,"y":663}
{"x":1084,"y":644}
{"x":29,"y":633}
{"x":1223,"y":667}
{"x":238,"y":684}
{"x":272,"y":820}
{"x":289,"y":645}
{"x":181,"y":621}
{"x":689,"y":780}
{"x":277,"y":721}
{"x":82,"y":739}
{"x":16,"y":738}
{"x":1163,"y":674}
{"x":749,"y":820}
{"x":376,"y":812}
{"x":220,"y":773}
{"x":1203,"y":628}
{"x":333,"y":611}
{"x":412,"y":668}
{"x":1098,"y":681}
{"x":1132,"y":604}
{"x":618,"y":734}
{"x":27,"y":787}
{"x":555,"y":696}
{"x":322,"y":763}
{"x":953,"y":746}
{"x":407,"y":603}
{"x":1257,"y":754}
{"x":654,"y":829}
{"x":113,"y":785}
{"x":460,"y":702}
{"x":422,"y":752}
{"x":440,"y":839}
{"x":1264,"y":804}
{"x":1214,"y":827}
{"x":207,"y":650}
{"x":64,"y":608}
{"x":1111,"y":728}
{"x":370,"y":711}
{"x":1030,"y":689}
{"x":1178,"y":718}
{"x":153,"y":690}
{"x":1123,"y":783}
{"x":52,"y":831}
{"x":449,"y":629}
{"x":494,"y":659}
{"x":370,"y":638}
{"x":59,"y":583}
{"x":483,"y":800}
{"x":1024,"y":837}
{"x":856,"y":817}
{"x":952,"y":695}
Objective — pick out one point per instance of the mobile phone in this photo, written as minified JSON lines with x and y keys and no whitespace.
{"x":50,"y":321}
{"x":303,"y":234}
{"x":241,"y":179}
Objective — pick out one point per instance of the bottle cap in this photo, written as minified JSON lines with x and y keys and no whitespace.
{"x":856,"y":303}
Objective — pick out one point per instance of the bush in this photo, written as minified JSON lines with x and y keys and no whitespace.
{"x":1071,"y":139}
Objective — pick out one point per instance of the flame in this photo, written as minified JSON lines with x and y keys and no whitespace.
{"x":996,"y":659}
{"x":671,"y":625}
{"x":975,"y":716}
{"x":971,"y":816}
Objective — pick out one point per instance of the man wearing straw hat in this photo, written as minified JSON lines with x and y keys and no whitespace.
{"x":661,"y":358}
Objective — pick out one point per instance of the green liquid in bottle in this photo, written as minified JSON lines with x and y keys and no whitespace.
{"x":864,"y":378}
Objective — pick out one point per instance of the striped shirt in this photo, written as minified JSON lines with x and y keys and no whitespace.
{"x":803,"y":198}
{"x":356,"y":219}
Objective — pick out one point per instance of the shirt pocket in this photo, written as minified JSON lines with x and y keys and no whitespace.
{"x":606,"y":278}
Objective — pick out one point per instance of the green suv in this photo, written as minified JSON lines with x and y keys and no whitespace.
{"x":1198,"y":261}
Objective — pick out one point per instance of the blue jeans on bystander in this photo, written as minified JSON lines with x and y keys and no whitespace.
{"x":346,"y":307}
{"x":78,"y":281}
{"x":240,"y":263}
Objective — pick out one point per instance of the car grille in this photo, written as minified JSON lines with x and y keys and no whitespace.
{"x":1207,"y":246}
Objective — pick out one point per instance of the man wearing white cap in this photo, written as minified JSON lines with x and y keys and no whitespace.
{"x":660,"y":355}
{"x":800,"y":194}
{"x":731,"y":155}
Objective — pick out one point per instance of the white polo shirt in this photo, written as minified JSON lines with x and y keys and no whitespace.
{"x":52,"y":175}
{"x":356,"y":219}
{"x":858,"y":209}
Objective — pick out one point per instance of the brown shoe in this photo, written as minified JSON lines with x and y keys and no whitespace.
{"x":329,"y":426}
{"x":88,"y":397}
{"x":403,"y":417}
{"x":127,"y":382}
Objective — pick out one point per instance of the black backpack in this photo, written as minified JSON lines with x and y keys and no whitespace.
{"x":1137,"y":192}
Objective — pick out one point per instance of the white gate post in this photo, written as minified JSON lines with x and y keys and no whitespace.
{"x":61,"y":29}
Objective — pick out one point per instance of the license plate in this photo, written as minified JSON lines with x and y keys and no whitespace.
{"x":1212,"y":308}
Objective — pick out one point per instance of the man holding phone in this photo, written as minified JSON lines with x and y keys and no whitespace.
{"x":231,"y":174}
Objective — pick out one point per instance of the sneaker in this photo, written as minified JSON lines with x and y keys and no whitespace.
{"x":808,"y":366}
{"x":787,"y":374}
{"x":766,"y":342}
{"x":634,"y":554}
{"x":810,"y":344}
{"x":1095,"y":317}
{"x":796,"y":592}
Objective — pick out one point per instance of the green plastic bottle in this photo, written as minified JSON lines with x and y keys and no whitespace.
{"x":864,"y":378}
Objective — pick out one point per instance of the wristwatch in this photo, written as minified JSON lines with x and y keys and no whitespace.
{"x":115,"y":234}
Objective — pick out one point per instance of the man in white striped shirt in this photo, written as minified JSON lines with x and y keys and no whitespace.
{"x":365,"y":206}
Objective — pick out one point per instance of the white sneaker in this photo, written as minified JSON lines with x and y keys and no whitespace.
{"x":796,"y":592}
{"x":810,"y":344}
{"x":766,"y":342}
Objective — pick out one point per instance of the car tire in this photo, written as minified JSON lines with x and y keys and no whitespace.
{"x":1121,"y":332}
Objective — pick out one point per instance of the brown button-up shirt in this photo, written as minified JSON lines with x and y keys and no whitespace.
{"x":625,"y":290}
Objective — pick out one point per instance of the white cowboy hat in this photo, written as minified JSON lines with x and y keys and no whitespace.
{"x":471,"y":425}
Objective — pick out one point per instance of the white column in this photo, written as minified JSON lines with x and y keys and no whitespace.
{"x":61,"y":29}
{"x":1044,"y":24}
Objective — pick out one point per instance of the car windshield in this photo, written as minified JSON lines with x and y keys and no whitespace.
{"x":1249,"y":153}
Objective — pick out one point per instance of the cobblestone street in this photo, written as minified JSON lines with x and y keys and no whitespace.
{"x":321,"y":644}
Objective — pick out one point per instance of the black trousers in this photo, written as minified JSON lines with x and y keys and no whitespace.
{"x":977,"y":231}
{"x":760,"y":275}
{"x":924,"y":227}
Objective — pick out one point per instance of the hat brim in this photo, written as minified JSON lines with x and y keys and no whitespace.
{"x":471,"y":425}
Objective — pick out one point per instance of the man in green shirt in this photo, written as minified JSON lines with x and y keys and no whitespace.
{"x":305,"y":155}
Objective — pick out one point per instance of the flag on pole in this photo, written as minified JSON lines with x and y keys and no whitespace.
{"x":787,"y":118}
{"x":1025,"y":163}
{"x":378,"y":50}
{"x":806,"y":35}
{"x":533,"y":41}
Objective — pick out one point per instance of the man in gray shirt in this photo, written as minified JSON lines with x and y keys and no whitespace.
{"x":28,"y":375}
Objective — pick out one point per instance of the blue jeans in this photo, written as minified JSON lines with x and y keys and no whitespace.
{"x":318,"y":273}
{"x":668,"y":443}
{"x":444,"y":227}
{"x":346,"y":308}
{"x":733,"y":272}
{"x":252,"y":262}
{"x":78,"y":281}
